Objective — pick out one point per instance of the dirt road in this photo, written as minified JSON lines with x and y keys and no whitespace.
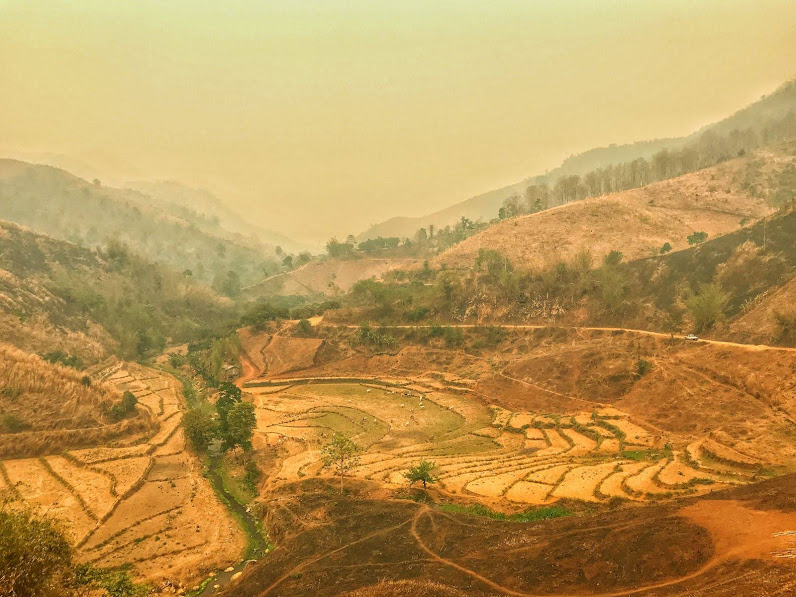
{"x":513,"y":326}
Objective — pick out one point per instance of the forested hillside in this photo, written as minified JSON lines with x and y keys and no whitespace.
{"x":705,"y":288}
{"x":57,"y":296}
{"x":208,"y":212}
{"x":65,"y":207}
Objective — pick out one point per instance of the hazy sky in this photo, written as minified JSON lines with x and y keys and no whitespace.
{"x":322,"y":117}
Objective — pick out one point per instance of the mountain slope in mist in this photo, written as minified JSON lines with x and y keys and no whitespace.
{"x":486,"y":205}
{"x":69,"y":208}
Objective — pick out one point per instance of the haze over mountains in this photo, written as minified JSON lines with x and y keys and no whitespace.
{"x":582,"y":383}
{"x":777,"y":105}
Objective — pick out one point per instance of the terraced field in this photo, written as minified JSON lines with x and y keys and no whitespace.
{"x":503,"y":458}
{"x":145,"y":505}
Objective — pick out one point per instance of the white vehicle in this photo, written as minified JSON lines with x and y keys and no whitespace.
{"x":692,"y":337}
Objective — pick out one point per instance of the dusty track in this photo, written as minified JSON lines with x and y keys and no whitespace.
{"x":728,"y":550}
{"x":512,"y":326}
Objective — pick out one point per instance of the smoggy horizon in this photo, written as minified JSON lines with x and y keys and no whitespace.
{"x":322,"y":119}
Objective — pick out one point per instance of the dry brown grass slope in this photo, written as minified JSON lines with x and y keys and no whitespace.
{"x":637,"y":222}
{"x":329,"y":277}
{"x":760,"y":320}
{"x":47,"y":408}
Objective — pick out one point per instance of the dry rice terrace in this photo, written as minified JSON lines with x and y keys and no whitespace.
{"x":46,"y":408}
{"x":539,"y":419}
{"x":145,"y":504}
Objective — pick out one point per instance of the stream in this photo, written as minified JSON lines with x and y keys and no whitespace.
{"x":256,"y":543}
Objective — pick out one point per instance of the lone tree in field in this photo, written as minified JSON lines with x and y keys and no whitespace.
{"x":421,"y":472}
{"x":341,"y":455}
{"x":304,"y":328}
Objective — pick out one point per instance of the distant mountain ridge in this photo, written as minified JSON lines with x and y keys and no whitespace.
{"x":65,"y":207}
{"x":485,"y":206}
{"x":190,"y":202}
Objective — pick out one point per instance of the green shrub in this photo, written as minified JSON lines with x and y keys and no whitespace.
{"x":35,"y":556}
{"x":643,"y":367}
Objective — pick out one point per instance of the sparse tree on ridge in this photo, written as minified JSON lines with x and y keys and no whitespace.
{"x":422,"y":472}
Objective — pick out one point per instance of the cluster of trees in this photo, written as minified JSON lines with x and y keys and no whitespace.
{"x":263,"y":312}
{"x":59,"y":357}
{"x":711,"y":148}
{"x":492,"y":281}
{"x":612,"y":291}
{"x":350,"y":248}
{"x":426,"y":241}
{"x":208,"y":357}
{"x":139,"y":303}
{"x":289,"y":261}
{"x":432,"y":240}
{"x":231,"y":422}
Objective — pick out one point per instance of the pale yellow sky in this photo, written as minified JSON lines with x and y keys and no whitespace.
{"x":322,"y":117}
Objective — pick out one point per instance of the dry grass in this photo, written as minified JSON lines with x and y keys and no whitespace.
{"x":759,"y":322}
{"x":48,"y":408}
{"x":331,"y":276}
{"x":637,"y":222}
{"x":407,"y":588}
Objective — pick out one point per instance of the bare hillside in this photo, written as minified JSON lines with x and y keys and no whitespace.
{"x":329,"y":277}
{"x":760,"y":319}
{"x":637,"y":222}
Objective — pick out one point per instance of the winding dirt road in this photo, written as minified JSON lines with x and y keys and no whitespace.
{"x":513,"y":326}
{"x":757,"y":531}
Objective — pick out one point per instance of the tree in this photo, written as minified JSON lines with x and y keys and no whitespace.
{"x":697,"y":237}
{"x":786,"y":326}
{"x":707,"y":306}
{"x":337,"y":249}
{"x":35,"y":557}
{"x":613,"y":258}
{"x":304,"y":328}
{"x":241,"y":422}
{"x":421,"y":472}
{"x":228,"y":396}
{"x":341,"y":455}
{"x":666,"y":248}
{"x":200,"y":428}
{"x":125,"y":407}
{"x":229,"y":285}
